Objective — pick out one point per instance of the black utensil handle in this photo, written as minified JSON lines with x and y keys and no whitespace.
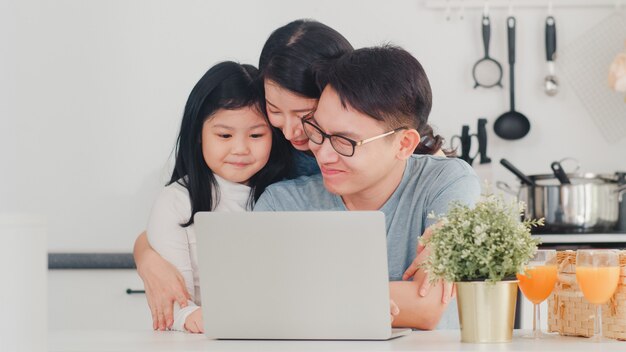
{"x":525,"y":179}
{"x":466,"y":145}
{"x":486,"y":33}
{"x":482,"y":141}
{"x":452,"y":139}
{"x":510,"y":24}
{"x":621,"y":178}
{"x":559,"y":173}
{"x":130,"y":291}
{"x":550,"y":38}
{"x":512,"y":86}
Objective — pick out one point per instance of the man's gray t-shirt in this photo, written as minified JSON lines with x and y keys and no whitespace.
{"x":429,"y":184}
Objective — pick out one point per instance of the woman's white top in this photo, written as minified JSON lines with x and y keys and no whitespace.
{"x":177,"y":244}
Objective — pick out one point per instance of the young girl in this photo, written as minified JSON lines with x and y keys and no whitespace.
{"x":227,"y":153}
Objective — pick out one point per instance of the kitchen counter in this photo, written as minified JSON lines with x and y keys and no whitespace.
{"x":91,"y":261}
{"x":442,"y":340}
{"x":126,"y":261}
{"x":577,"y":238}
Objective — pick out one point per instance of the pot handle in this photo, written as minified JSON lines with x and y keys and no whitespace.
{"x":503,"y":186}
{"x":620,"y":191}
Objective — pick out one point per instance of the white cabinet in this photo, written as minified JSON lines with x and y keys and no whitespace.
{"x":96,"y":299}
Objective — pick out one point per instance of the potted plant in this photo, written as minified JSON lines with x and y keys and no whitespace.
{"x":480,"y":249}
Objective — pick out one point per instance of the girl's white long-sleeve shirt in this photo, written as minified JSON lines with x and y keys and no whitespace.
{"x":177,"y":244}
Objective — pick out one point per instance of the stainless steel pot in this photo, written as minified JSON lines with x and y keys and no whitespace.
{"x":621,"y":224}
{"x":589,"y":204}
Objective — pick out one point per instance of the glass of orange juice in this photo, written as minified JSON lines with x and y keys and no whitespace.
{"x":597,"y":274}
{"x":537,"y":283}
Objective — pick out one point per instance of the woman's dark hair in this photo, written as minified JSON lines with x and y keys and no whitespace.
{"x":388,"y":84}
{"x":227,"y":85}
{"x":291,"y":50}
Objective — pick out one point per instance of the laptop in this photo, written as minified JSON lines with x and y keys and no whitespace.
{"x":294,"y":275}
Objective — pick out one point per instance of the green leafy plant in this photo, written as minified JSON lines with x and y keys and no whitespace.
{"x":488,"y":242}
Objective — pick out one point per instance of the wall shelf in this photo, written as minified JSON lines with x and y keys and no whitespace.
{"x":520,"y":4}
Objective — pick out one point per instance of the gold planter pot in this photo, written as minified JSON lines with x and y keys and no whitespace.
{"x":486,"y":311}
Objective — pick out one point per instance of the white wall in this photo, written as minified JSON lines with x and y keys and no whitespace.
{"x":92,"y":93}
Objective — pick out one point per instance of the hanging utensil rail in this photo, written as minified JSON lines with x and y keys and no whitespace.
{"x":480,"y":4}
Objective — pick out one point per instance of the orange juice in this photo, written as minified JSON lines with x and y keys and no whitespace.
{"x":538,"y":282}
{"x":597,"y":283}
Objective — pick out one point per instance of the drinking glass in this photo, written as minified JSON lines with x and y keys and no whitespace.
{"x":537,"y":283}
{"x":597,"y":274}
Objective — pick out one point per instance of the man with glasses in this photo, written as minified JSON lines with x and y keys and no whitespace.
{"x":342,"y":145}
{"x":363,"y":135}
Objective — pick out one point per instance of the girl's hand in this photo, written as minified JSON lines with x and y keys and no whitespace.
{"x":394,"y":310}
{"x":163,"y":283}
{"x":193,"y":323}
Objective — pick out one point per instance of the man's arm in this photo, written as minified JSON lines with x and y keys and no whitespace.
{"x":416,"y":311}
{"x":265,"y":202}
{"x":465,"y":189}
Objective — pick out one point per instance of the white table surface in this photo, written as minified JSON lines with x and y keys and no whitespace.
{"x":442,"y":340}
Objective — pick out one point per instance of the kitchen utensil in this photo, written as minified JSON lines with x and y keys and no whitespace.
{"x":487,"y":72}
{"x":503,"y":186}
{"x":465,"y":140}
{"x":551,"y":83}
{"x":523,"y":178}
{"x":559,"y":173}
{"x":589,"y":204}
{"x":617,"y":72}
{"x":482,"y":141}
{"x":621,"y":181}
{"x":512,"y":124}
{"x":584,"y":63}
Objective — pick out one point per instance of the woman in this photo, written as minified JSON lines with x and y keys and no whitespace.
{"x":291,"y":92}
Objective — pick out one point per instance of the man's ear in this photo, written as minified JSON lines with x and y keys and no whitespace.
{"x":409,"y":139}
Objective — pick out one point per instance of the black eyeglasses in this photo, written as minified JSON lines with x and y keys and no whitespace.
{"x":342,"y":145}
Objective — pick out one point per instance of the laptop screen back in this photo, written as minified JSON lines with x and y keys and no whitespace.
{"x":293,"y":275}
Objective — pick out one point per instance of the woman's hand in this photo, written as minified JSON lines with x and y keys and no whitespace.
{"x":423,"y":252}
{"x":193,"y":323}
{"x":394,"y":310}
{"x":163,"y":283}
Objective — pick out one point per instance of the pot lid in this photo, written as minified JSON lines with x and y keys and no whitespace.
{"x":575,"y":178}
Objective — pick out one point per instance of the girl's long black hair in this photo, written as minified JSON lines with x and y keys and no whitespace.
{"x":227,"y":85}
